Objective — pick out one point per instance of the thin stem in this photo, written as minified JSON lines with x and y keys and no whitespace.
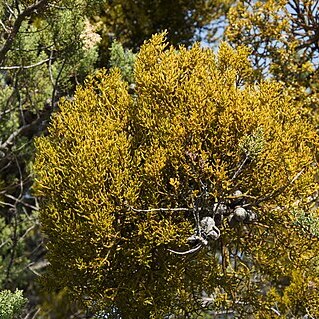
{"x":15,"y":67}
{"x":190,"y":251}
{"x":160,"y":210}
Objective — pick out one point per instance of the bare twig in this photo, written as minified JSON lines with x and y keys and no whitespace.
{"x":15,"y":67}
{"x":11,"y":10}
{"x":275,"y":311}
{"x":56,"y":83}
{"x":7,"y":204}
{"x":28,"y":316}
{"x":50,"y":68}
{"x":21,"y":202}
{"x":238,"y":171}
{"x":16,"y":133}
{"x":160,"y":210}
{"x":4,"y":243}
{"x":6,"y":111}
{"x":190,"y":251}
{"x":34,"y":267}
{"x":3,"y":26}
{"x":27,"y":232}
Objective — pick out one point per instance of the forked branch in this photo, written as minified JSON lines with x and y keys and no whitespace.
{"x":17,"y":24}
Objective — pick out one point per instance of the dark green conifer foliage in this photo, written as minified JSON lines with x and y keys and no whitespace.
{"x":132,"y":22}
{"x":46,"y":47}
{"x":124,"y":60}
{"x":121,"y":177}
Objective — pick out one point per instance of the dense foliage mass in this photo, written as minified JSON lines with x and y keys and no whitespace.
{"x":47,"y":47}
{"x":11,"y":304}
{"x":198,"y":156}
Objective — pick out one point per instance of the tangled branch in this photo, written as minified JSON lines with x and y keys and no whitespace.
{"x":17,"y":24}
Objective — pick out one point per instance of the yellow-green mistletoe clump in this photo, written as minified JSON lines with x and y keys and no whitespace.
{"x":183,"y":193}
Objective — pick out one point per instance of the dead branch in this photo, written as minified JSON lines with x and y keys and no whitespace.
{"x":190,"y":251}
{"x":281,"y":189}
{"x":160,"y":209}
{"x":16,"y":67}
{"x":18,"y":132}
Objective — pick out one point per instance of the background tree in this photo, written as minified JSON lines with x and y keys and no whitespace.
{"x":283,"y":38}
{"x":193,"y":186}
{"x":132,"y":22}
{"x":46,"y":47}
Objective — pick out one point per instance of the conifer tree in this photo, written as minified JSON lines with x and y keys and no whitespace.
{"x":46,"y":47}
{"x":185,"y":194}
{"x":283,"y":37}
{"x":132,"y":22}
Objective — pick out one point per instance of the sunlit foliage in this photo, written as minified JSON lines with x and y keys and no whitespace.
{"x":121,"y":176}
{"x":284,"y":40}
{"x":11,"y":304}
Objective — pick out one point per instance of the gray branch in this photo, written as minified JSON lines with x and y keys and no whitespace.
{"x":17,"y":24}
{"x":15,"y":134}
{"x":190,"y":251}
{"x":160,"y":209}
{"x":281,"y":189}
{"x":17,"y":67}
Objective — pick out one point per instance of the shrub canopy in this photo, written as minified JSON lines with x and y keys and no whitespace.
{"x":196,"y":135}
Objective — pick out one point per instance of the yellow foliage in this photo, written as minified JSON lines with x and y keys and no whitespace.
{"x":112,"y":160}
{"x":283,"y":40}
